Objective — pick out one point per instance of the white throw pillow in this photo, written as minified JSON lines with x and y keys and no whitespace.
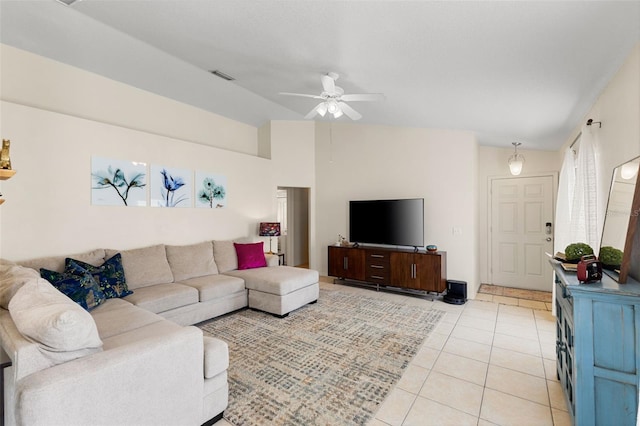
{"x":49,"y":318}
{"x":12,"y":277}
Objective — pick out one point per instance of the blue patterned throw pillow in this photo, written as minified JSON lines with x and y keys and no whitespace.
{"x":110,"y":275}
{"x":82,"y":289}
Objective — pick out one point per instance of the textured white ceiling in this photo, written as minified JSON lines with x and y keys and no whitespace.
{"x":523,"y":71}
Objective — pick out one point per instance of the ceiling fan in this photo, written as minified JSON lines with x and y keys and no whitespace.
{"x":333,"y":99}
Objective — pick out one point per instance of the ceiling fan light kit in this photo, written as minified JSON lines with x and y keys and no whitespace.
{"x":333,"y":99}
{"x":332,"y":106}
{"x":516,"y":161}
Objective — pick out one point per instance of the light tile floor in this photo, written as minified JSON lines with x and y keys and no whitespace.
{"x":485,"y":364}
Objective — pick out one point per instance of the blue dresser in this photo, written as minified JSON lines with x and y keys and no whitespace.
{"x":598,"y":348}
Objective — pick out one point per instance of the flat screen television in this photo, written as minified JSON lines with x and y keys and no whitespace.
{"x":387,"y":222}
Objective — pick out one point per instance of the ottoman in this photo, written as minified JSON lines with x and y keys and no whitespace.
{"x":279,"y":290}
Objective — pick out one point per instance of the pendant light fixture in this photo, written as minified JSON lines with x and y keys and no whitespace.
{"x":516,"y":161}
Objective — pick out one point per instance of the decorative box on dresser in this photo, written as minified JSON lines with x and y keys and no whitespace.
{"x":379,"y":266}
{"x":598,"y":348}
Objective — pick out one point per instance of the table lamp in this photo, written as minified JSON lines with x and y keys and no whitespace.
{"x":269,"y":229}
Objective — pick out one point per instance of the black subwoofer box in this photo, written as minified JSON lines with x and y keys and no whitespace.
{"x":456,"y":292}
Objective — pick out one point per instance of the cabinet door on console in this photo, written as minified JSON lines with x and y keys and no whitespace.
{"x":428,"y":272}
{"x":346,"y":263}
{"x":418,"y":271}
{"x":403,"y":271}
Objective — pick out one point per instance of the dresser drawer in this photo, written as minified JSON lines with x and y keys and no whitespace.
{"x":377,"y":273}
{"x":377,"y":257}
{"x":377,"y":266}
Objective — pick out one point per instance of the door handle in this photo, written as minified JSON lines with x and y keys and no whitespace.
{"x":548,"y":238}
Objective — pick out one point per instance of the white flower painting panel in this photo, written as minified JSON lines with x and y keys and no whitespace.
{"x":118,"y":182}
{"x":211,"y":190}
{"x":171,"y":187}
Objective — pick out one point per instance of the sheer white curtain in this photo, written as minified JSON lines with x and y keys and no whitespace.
{"x":566,"y":187}
{"x":577,"y":205}
{"x":583,"y":226}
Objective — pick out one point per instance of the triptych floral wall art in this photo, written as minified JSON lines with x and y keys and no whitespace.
{"x":127,"y":183}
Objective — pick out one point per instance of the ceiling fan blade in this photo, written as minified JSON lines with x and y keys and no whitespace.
{"x":304,"y":95}
{"x":363,"y":97}
{"x":318,"y":109}
{"x":311,"y":114}
{"x":328,"y":84}
{"x":350,"y":112}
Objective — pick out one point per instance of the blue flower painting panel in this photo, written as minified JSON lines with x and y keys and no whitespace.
{"x":171,"y":187}
{"x":211,"y":190}
{"x":118,"y":182}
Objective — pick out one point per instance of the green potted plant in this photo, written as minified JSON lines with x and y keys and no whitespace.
{"x":575,"y":251}
{"x":610,"y":257}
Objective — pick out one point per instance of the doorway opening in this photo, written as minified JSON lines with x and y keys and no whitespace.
{"x":293,"y":215}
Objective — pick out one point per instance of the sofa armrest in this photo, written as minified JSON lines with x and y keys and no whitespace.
{"x":23,"y":354}
{"x":216,"y":356}
{"x":156,"y":380}
{"x":272,"y":259}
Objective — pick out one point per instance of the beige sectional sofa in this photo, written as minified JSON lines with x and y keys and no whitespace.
{"x":136,"y":359}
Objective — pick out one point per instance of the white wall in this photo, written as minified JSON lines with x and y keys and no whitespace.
{"x":618,"y":140}
{"x":492,"y":162}
{"x":377,"y":162}
{"x":292,"y":152}
{"x":36,"y":81}
{"x":48,"y":209}
{"x":293,"y":158}
{"x":58,"y":116}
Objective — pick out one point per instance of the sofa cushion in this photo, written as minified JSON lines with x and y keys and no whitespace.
{"x":154,"y":330}
{"x":56,"y":263}
{"x":12,"y":277}
{"x":278,"y":280}
{"x":51,"y":319}
{"x":144,"y":266}
{"x":191,"y":261}
{"x":215,"y":286}
{"x":109,"y":275}
{"x":250,"y":255}
{"x":163,"y":297}
{"x":82,"y":288}
{"x":225,"y":256}
{"x":112,"y":319}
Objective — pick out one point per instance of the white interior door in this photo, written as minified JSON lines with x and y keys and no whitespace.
{"x":520,"y":211}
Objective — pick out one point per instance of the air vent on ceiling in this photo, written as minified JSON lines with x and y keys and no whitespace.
{"x":67,"y":2}
{"x":222,"y":75}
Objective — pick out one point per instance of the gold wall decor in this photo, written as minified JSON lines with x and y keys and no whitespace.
{"x":5,"y":160}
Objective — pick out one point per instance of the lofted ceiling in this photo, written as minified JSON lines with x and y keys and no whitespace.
{"x":524,"y":71}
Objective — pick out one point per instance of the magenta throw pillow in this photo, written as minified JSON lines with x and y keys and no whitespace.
{"x":250,"y":255}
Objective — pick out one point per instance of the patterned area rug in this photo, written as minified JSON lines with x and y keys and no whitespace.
{"x":330,"y":363}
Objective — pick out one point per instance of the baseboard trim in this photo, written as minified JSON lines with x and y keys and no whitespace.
{"x":214,"y":420}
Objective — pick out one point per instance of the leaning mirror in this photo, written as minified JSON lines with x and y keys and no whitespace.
{"x":620,"y":222}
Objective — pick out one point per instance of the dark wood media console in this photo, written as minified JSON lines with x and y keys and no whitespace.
{"x":404,"y":269}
